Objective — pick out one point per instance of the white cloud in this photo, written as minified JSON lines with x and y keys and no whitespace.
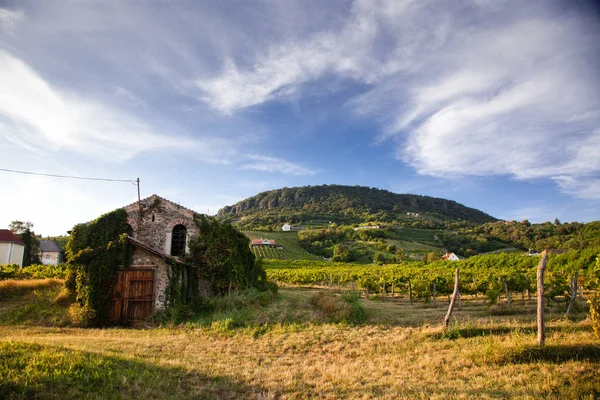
{"x":38,"y":116}
{"x":9,"y":20}
{"x":283,"y":68}
{"x":272,"y":164}
{"x":464,"y":88}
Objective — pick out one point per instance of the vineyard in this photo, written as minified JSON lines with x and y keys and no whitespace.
{"x":289,"y":240}
{"x":489,"y":275}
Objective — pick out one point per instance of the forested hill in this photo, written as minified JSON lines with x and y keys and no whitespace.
{"x":346,"y":204}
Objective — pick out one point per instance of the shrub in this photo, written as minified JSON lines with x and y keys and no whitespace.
{"x":358,"y":314}
{"x":9,"y":271}
{"x":80,"y":315}
{"x":340,"y":309}
{"x":225,"y":258}
{"x":96,"y":251}
{"x":35,"y":271}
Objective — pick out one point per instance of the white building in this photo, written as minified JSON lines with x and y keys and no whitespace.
{"x":49,"y":252}
{"x":450,"y":257}
{"x":286,"y":227}
{"x":12,"y":248}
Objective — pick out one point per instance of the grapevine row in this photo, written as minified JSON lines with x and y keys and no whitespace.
{"x":486,"y":275}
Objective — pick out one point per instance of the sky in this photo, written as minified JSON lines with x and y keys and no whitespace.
{"x":491,"y":103}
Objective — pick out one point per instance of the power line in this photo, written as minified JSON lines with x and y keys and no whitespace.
{"x":132,"y":181}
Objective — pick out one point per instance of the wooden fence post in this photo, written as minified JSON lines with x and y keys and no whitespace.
{"x":574,"y":279}
{"x":506,"y":291}
{"x":541,"y":334}
{"x":434,"y":295}
{"x":410,"y":292}
{"x":454,"y":295}
{"x":392,"y":290}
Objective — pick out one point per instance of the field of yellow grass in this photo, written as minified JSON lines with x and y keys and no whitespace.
{"x":290,"y":351}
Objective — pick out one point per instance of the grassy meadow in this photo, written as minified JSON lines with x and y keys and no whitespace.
{"x":302,"y":343}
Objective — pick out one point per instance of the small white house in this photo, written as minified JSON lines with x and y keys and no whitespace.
{"x":286,"y":228}
{"x":12,"y":248}
{"x":450,"y":257}
{"x":49,"y":252}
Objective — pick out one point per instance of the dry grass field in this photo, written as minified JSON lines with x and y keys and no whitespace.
{"x":287,"y":349}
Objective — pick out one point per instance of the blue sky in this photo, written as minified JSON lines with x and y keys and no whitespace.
{"x":492,"y":103}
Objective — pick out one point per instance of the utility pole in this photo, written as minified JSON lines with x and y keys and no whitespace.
{"x":139,"y":199}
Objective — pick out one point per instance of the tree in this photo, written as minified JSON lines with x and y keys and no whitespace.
{"x":431,"y":257}
{"x":340,"y":253}
{"x":24,"y":229}
{"x":556,"y":221}
{"x":18,"y":227}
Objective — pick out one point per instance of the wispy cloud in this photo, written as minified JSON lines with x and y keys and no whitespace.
{"x":272,"y":164}
{"x":470,"y":88}
{"x":9,"y":20}
{"x":38,"y":116}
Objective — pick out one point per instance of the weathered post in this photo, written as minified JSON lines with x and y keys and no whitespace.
{"x":383,"y":293}
{"x":454,"y":295}
{"x":506,"y":291}
{"x":410,"y":292}
{"x":574,"y":279}
{"x":541,"y":335}
{"x":392,"y":290}
{"x":434,"y":295}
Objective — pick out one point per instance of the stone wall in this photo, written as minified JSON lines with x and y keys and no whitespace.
{"x":142,"y":258}
{"x":159,"y":217}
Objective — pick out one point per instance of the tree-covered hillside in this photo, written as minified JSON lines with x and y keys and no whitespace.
{"x":347,"y":204}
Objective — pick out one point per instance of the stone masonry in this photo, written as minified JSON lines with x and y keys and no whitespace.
{"x":159,"y":217}
{"x":154,"y":229}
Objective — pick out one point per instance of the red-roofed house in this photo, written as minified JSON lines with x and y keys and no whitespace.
{"x":11,"y":248}
{"x":262,"y":242}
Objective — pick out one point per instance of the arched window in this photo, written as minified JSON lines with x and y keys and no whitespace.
{"x":178,"y":241}
{"x":129,"y":230}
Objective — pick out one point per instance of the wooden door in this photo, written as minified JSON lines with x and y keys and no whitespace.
{"x":133,"y":295}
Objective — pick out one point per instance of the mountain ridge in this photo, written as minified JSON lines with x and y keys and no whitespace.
{"x":353,"y":203}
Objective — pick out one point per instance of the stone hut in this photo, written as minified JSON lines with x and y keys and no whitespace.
{"x":159,"y":234}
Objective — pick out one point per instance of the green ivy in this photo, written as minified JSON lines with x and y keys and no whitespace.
{"x":224,"y":257}
{"x":182,"y":287}
{"x":95,"y":252}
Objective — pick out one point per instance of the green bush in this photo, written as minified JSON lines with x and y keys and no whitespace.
{"x":35,"y":271}
{"x":340,"y":309}
{"x":96,"y":251}
{"x":358,"y":314}
{"x":224,"y":257}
